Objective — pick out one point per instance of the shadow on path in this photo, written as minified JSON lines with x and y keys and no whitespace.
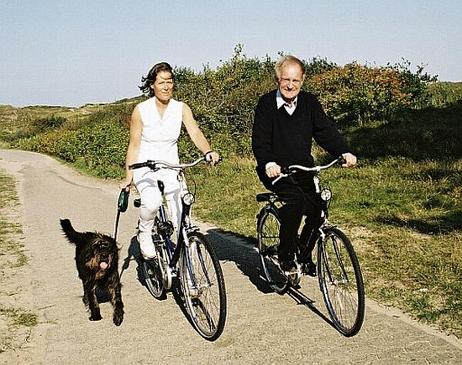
{"x":229,"y":247}
{"x":134,"y":255}
{"x":246,"y":258}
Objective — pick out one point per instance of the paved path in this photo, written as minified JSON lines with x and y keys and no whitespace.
{"x":262,"y":327}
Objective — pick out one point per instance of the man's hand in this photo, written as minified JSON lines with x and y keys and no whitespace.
{"x":350,"y":160}
{"x":273,"y":171}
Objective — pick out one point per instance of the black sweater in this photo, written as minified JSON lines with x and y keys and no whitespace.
{"x":286,"y":139}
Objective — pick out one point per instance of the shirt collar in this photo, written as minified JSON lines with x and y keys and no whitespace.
{"x":281,"y":102}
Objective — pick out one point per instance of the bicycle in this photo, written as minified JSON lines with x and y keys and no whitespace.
{"x":337,"y":267}
{"x":192,"y":260}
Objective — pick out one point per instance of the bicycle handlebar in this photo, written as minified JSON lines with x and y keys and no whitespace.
{"x":158,"y":164}
{"x":287,"y":171}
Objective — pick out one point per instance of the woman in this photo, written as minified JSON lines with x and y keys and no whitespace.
{"x":154,"y":130}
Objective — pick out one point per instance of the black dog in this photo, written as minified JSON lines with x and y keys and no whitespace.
{"x":97,"y":256}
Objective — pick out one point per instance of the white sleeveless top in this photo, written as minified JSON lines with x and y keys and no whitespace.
{"x":159,"y":142}
{"x":160,"y":134}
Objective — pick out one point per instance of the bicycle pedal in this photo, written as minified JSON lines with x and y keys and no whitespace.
{"x":294,"y":279}
{"x":293,"y":273}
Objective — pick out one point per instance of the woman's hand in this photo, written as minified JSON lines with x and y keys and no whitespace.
{"x":125,"y":184}
{"x":212,"y":157}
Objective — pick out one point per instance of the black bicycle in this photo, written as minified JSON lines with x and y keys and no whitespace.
{"x":192,"y":260}
{"x":337,"y":266}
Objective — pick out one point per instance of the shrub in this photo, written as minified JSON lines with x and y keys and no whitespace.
{"x":43,"y":124}
{"x":444,"y":93}
{"x":223,"y":100}
{"x":354,"y":94}
{"x":415,"y":84}
{"x":317,"y":66}
{"x":100,"y":147}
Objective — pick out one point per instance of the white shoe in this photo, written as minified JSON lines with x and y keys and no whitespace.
{"x":146,"y":246}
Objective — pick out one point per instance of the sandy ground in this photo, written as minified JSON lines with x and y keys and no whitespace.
{"x":261,"y":327}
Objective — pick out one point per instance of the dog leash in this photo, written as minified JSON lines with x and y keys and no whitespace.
{"x":122,"y":204}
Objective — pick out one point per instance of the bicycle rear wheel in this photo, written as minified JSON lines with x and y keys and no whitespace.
{"x":203,"y":287}
{"x":268,"y":241}
{"x":341,"y":282}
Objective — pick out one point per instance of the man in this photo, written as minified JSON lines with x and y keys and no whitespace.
{"x":286,"y":121}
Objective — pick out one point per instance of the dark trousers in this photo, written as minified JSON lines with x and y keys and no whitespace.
{"x":299,"y":198}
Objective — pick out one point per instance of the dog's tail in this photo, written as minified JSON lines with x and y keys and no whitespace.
{"x":69,"y":231}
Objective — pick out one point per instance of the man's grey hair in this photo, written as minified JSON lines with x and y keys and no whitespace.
{"x":287,"y":59}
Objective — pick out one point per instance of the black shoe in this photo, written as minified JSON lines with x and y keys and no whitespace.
{"x":309,"y":268}
{"x":288,"y":266}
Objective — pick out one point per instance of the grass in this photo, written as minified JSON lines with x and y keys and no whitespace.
{"x":16,"y":319}
{"x":11,"y":250}
{"x":19,"y":317}
{"x":11,"y":257}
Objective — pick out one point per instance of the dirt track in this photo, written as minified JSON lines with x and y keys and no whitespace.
{"x":261,"y":326}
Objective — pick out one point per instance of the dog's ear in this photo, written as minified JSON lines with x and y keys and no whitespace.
{"x":98,"y":240}
{"x":113,"y":242}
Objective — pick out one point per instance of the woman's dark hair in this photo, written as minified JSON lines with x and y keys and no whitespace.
{"x":151,"y":77}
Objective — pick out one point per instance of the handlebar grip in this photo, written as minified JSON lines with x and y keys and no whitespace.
{"x":137,"y":165}
{"x":341,"y":160}
{"x":149,"y":163}
{"x":208,"y":156}
{"x":285,"y":170}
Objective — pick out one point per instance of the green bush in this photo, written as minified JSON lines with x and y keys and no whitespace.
{"x":355,"y":94}
{"x":443,"y":94}
{"x":99,"y":147}
{"x":415,"y":84}
{"x":223,"y":100}
{"x":44,"y":124}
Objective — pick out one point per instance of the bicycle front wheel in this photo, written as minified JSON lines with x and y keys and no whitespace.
{"x":268,"y":242}
{"x":203,"y":287}
{"x":341,"y":281}
{"x":153,"y":278}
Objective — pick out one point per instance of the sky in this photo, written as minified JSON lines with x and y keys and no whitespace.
{"x":73,"y":52}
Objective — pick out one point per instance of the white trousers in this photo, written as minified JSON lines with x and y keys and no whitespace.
{"x":146,"y":182}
